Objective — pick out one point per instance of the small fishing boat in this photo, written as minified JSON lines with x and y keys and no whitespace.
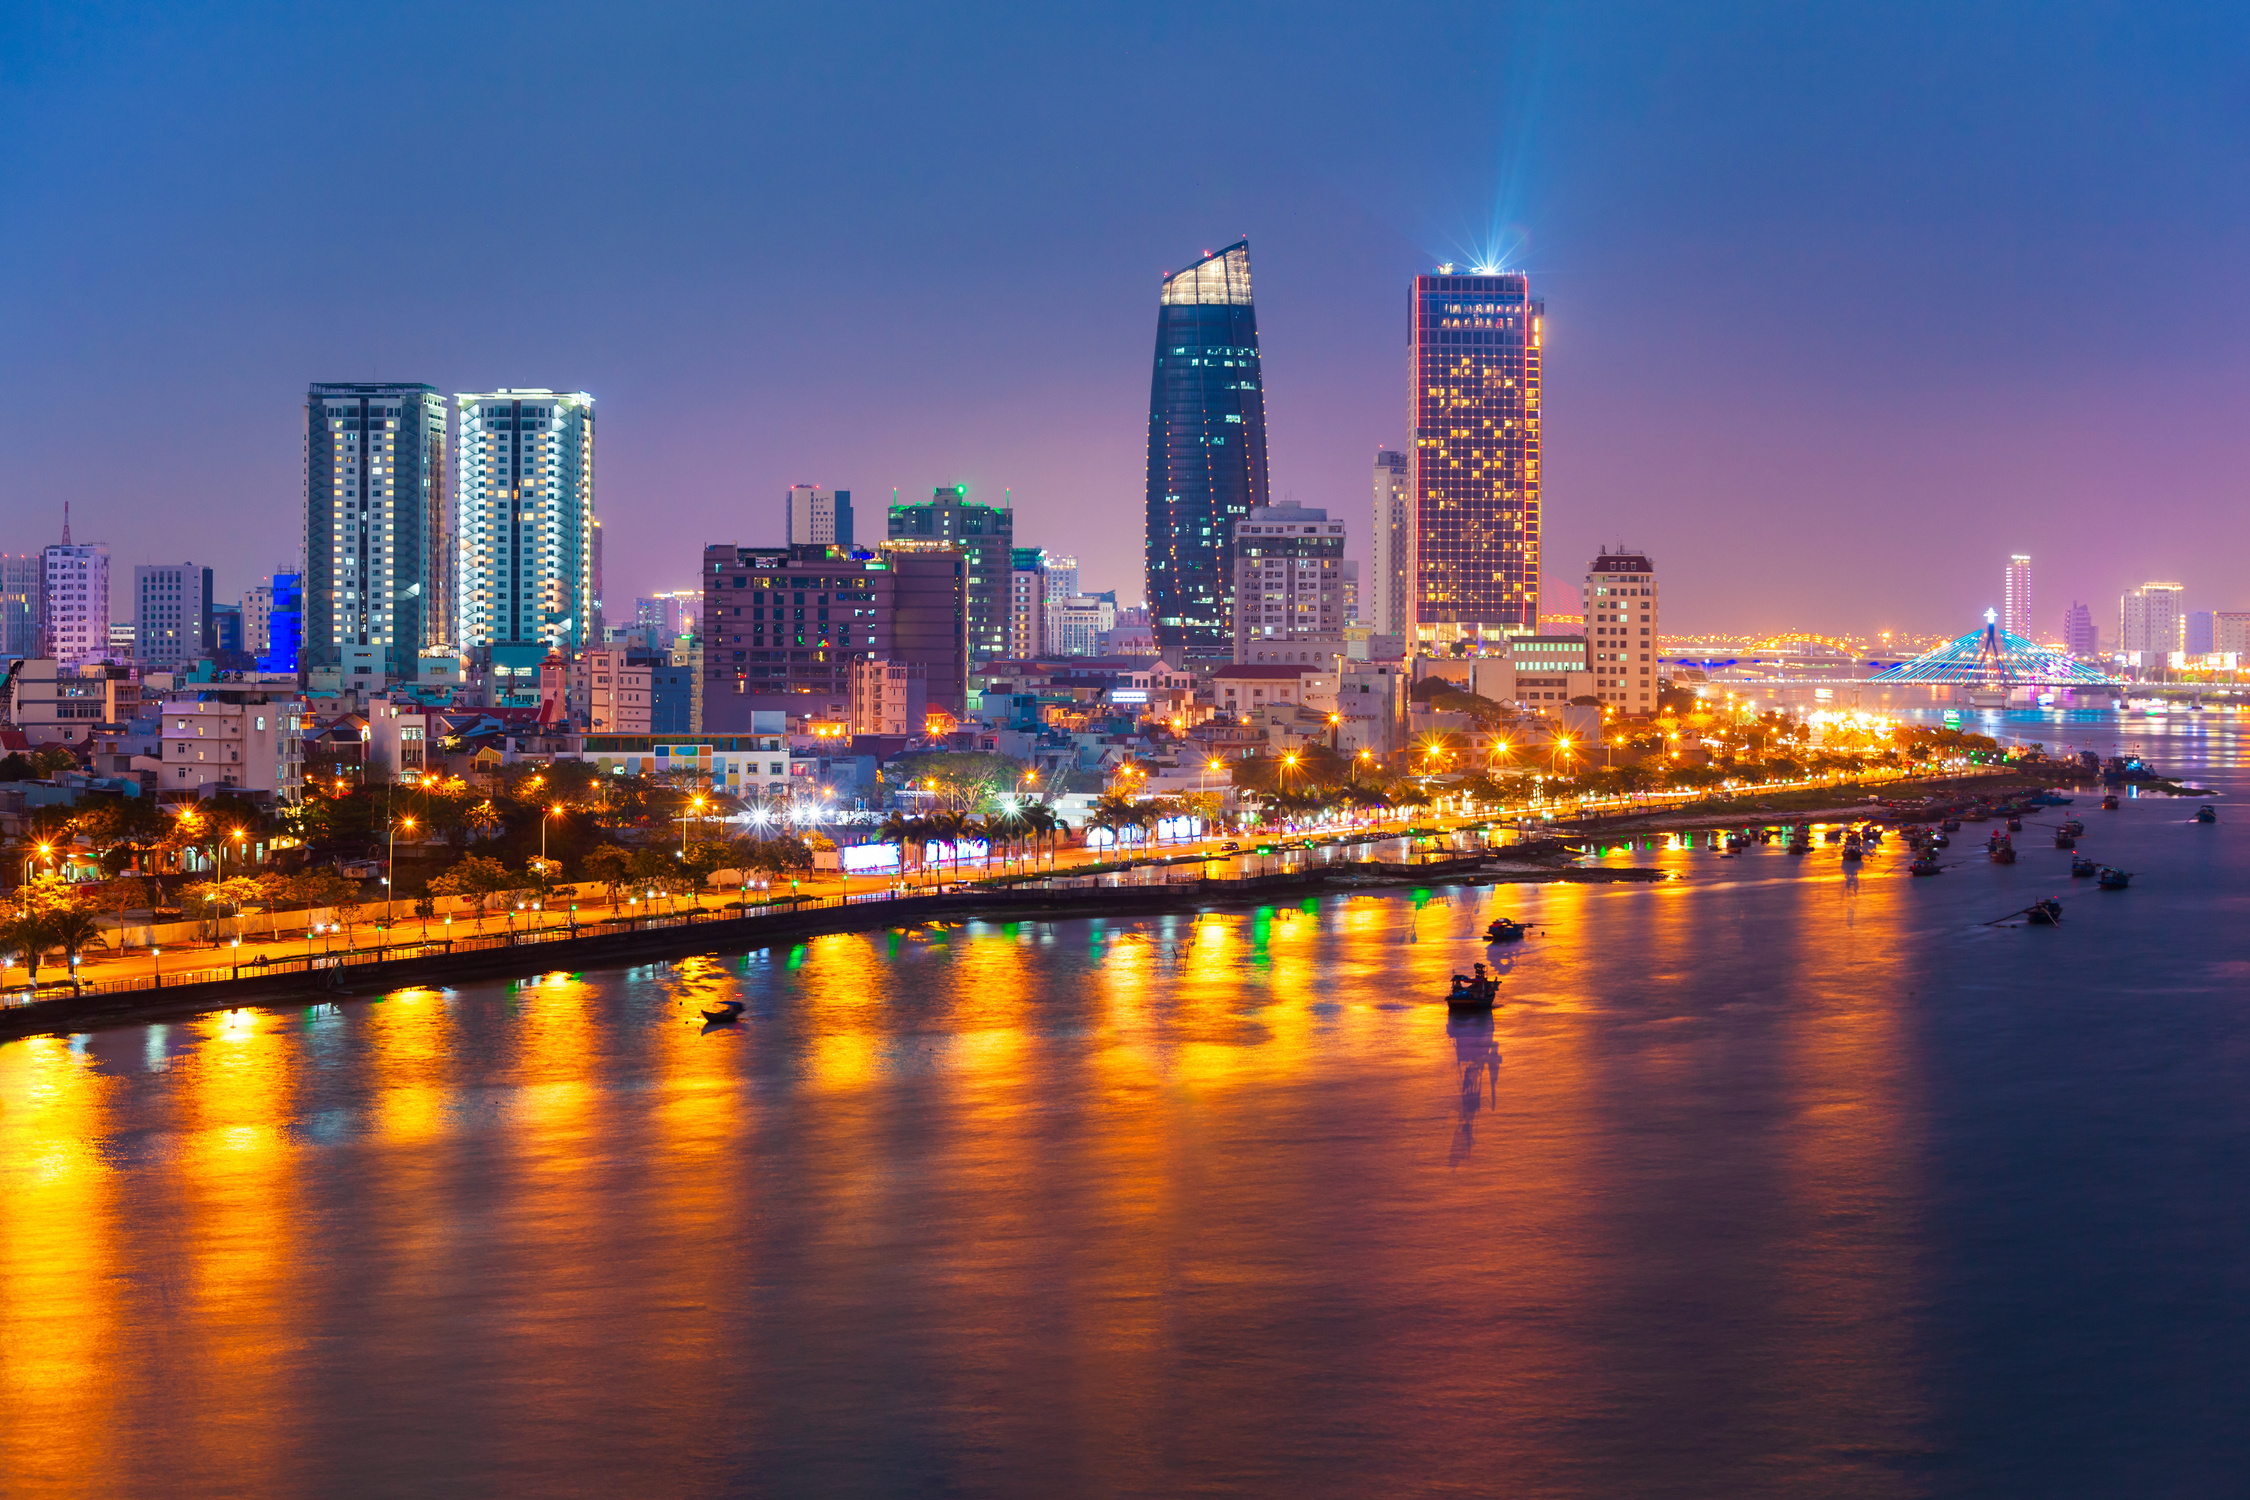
{"x":2081,"y":867}
{"x":2073,"y":827}
{"x":2049,"y":799}
{"x":1951,"y":825}
{"x":2063,"y":840}
{"x":1505,"y":930}
{"x":1473,"y":992}
{"x":2206,"y":814}
{"x":1926,"y":865}
{"x":2109,"y":802}
{"x":2047,"y":913}
{"x":2113,"y":880}
{"x":1940,"y":841}
{"x":2005,"y":854}
{"x":2015,"y":824}
{"x":1979,"y":815}
{"x":723,"y":1015}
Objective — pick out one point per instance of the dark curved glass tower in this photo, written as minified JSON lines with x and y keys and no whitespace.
{"x":1206,"y":451}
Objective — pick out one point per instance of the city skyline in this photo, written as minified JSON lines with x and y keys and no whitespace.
{"x":1724,"y":294}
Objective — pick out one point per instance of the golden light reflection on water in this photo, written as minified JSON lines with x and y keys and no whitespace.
{"x":1095,"y":1192}
{"x":57,"y":1292}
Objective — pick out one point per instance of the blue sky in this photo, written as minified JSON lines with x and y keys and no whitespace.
{"x":1845,"y":303}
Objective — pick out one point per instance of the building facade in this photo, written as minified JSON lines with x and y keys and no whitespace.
{"x":1622,"y":625}
{"x":2015,"y":602}
{"x":1288,"y":583}
{"x":1027,"y":603}
{"x":75,"y":584}
{"x":1206,"y":450}
{"x":1389,"y":594}
{"x":984,"y":535}
{"x":172,"y":615}
{"x":246,"y":738}
{"x":889,"y":697}
{"x":2150,"y":619}
{"x":1474,"y":359}
{"x":819,"y":518}
{"x":22,"y":588}
{"x":2230,"y":631}
{"x":2199,"y":632}
{"x":527,"y":570}
{"x":1075,"y":626}
{"x":782,"y":627}
{"x":2079,"y":636}
{"x":377,"y":542}
{"x":617,"y":692}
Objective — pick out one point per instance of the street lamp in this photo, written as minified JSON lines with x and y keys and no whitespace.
{"x":390,"y":881}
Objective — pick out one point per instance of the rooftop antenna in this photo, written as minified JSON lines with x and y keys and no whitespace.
{"x":66,"y":523}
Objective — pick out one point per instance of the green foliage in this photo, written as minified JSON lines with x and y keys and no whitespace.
{"x":965,"y":779}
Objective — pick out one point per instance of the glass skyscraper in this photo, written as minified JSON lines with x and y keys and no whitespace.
{"x":1206,"y":450}
{"x":1475,"y":367}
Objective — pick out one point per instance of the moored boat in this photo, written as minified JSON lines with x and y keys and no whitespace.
{"x":1505,"y":930}
{"x":1473,"y":992}
{"x":2206,"y":814}
{"x":2047,"y":913}
{"x":2081,"y":866}
{"x":1926,"y":865}
{"x":2109,"y":802}
{"x":2113,"y":880}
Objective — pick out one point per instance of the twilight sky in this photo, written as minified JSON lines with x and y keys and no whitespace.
{"x":1844,"y":302}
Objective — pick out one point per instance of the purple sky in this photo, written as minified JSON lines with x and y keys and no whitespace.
{"x":1844,"y":304}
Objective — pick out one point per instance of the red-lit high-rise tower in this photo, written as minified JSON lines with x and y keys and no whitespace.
{"x":1475,"y":367}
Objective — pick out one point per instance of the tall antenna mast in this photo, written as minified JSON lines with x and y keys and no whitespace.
{"x":66,"y":523}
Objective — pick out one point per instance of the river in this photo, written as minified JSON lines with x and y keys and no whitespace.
{"x":1783,"y":1177}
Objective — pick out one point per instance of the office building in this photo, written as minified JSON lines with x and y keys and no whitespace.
{"x":1351,"y":591}
{"x":2230,"y":631}
{"x":1206,"y":451}
{"x":671,"y":696}
{"x":667,"y":616}
{"x":2015,"y":603}
{"x":984,"y":535}
{"x":74,"y":582}
{"x":1288,"y":585}
{"x":172,"y":615}
{"x":1620,"y":608}
{"x":2199,"y":632}
{"x":1076,"y":625}
{"x":1062,"y":576}
{"x":1474,"y":360}
{"x":1027,"y":603}
{"x":525,"y":486}
{"x":377,"y":538}
{"x":284,"y":625}
{"x":55,"y":705}
{"x":888,"y":697}
{"x":1390,"y":593}
{"x":22,"y":576}
{"x":2150,"y":621}
{"x":123,"y":635}
{"x":2079,"y":636}
{"x":819,"y":518}
{"x":782,"y":627}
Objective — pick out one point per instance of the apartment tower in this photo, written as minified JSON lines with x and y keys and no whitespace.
{"x":377,"y":543}
{"x":527,"y":571}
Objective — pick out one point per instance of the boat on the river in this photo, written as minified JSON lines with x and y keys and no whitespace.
{"x":2047,"y":913}
{"x":2113,"y":880}
{"x":2015,"y":824}
{"x":2206,"y":814}
{"x":2073,"y":827}
{"x":1505,"y":930}
{"x":1950,"y":825}
{"x":2063,"y":840}
{"x":1926,"y":865}
{"x":2005,"y":854}
{"x":2109,"y":802}
{"x":2049,"y":799}
{"x":1473,"y":992}
{"x":1853,"y":854}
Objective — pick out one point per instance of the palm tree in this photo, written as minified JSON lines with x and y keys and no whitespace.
{"x":951,"y":827}
{"x":901,"y":829}
{"x":1040,"y":823}
{"x":28,"y":934}
{"x":73,"y":931}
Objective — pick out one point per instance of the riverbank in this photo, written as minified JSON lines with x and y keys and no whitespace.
{"x":329,"y":978}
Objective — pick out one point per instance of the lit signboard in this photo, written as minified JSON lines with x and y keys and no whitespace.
{"x":1128,"y":695}
{"x":870,"y":859}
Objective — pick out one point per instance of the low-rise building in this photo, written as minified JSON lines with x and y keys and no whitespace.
{"x":241,"y":737}
{"x":889,"y":697}
{"x":617,"y":691}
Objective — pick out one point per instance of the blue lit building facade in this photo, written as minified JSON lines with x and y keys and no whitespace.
{"x":1206,"y":451}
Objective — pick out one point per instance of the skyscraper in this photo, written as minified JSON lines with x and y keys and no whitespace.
{"x":1384,"y":609}
{"x":818,"y":517}
{"x":2079,"y":638}
{"x":75,"y":583}
{"x":1620,"y":609}
{"x":527,"y":571}
{"x":1474,"y":360}
{"x":2015,"y":606}
{"x":21,"y":588}
{"x":377,"y":543}
{"x":984,"y":535}
{"x":1206,"y":450}
{"x":2149,"y":619}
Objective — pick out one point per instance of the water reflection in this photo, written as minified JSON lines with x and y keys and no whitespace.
{"x":1221,"y":1200}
